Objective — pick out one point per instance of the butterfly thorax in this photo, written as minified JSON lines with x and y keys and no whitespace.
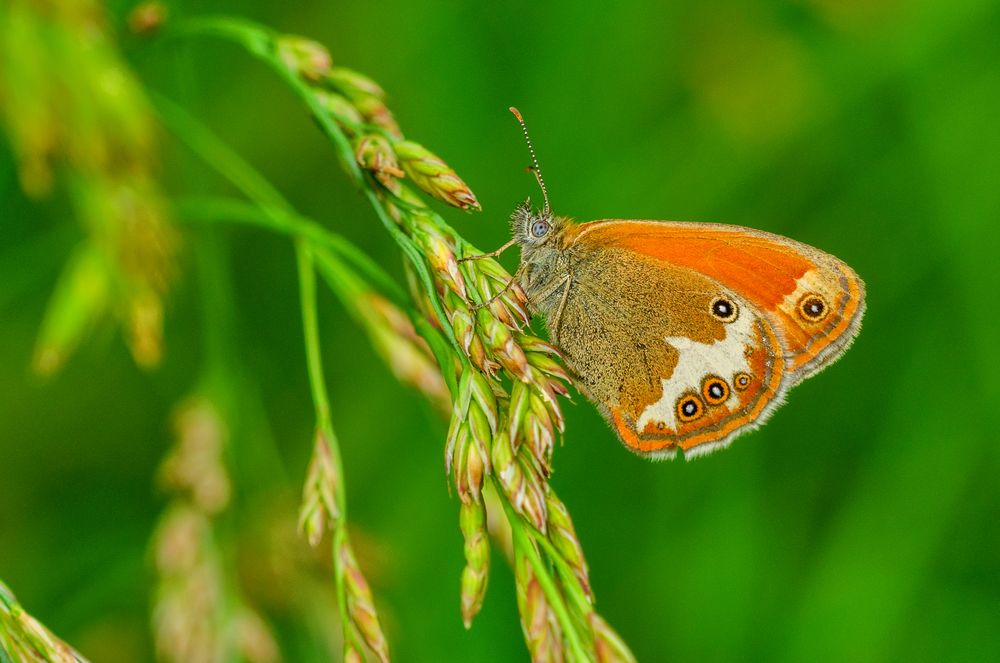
{"x":545,"y":272}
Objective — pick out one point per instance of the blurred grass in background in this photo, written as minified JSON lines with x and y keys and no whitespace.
{"x":860,"y":524}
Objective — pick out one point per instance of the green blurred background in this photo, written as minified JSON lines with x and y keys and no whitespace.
{"x":862,"y":523}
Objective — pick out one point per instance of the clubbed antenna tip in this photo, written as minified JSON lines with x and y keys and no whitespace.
{"x":534,"y":160}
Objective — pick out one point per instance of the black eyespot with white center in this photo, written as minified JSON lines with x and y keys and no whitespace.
{"x":540,"y":228}
{"x":689,"y":408}
{"x":714,"y":390}
{"x":813,"y":308}
{"x":724,"y":309}
{"x":741,"y":381}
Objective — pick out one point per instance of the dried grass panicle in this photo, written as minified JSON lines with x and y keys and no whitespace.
{"x":189,"y":603}
{"x":194,"y":468}
{"x":72,"y":130}
{"x":253,"y":639}
{"x":193,"y":616}
{"x":404,"y":350}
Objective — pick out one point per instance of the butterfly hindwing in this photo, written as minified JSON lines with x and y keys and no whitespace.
{"x":675,"y":359}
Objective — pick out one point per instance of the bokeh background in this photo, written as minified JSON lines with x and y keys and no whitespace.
{"x":862,"y":523}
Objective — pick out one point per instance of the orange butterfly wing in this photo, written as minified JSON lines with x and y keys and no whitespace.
{"x":813,"y":300}
{"x":675,"y":360}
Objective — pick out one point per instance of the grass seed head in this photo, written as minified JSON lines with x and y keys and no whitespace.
{"x":563,"y":536}
{"x":374,"y":153}
{"x":521,"y":480}
{"x":342,"y":111}
{"x":608,"y":645}
{"x":361,"y":604}
{"x":308,"y":58}
{"x":434,"y":176}
{"x":472,"y":519}
{"x":538,"y":621}
{"x":319,"y":508}
{"x":441,"y":256}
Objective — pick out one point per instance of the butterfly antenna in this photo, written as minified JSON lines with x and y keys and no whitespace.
{"x":534,"y":160}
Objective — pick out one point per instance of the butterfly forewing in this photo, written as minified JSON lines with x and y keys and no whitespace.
{"x":814,"y":300}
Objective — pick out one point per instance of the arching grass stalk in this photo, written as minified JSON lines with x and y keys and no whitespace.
{"x":504,"y":381}
{"x":24,"y":640}
{"x":324,"y":504}
{"x":71,"y":131}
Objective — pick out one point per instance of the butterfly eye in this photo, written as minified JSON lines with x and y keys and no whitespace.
{"x":714,"y":390}
{"x":689,"y":408}
{"x":539,"y":228}
{"x":812,"y":308}
{"x":724,"y":309}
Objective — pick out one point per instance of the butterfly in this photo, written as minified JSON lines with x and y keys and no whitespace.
{"x":685,"y":335}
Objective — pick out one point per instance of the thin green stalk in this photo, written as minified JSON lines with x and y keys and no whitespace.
{"x":523,"y":542}
{"x":337,"y":540}
{"x":225,"y":210}
{"x":218,"y":155}
{"x":321,"y":402}
{"x":310,"y":327}
{"x":216,"y":308}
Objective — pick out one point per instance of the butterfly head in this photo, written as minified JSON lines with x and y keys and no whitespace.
{"x":530,"y":228}
{"x":533,"y":228}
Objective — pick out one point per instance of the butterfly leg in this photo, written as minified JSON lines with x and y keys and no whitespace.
{"x":491,"y":254}
{"x":510,"y":284}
